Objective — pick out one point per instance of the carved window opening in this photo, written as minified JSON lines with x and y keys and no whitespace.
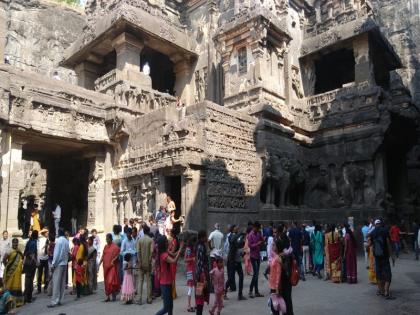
{"x":173,"y":189}
{"x":242,"y":61}
{"x":161,"y":70}
{"x":333,"y":70}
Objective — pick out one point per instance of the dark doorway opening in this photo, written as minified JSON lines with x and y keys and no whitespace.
{"x":399,"y":139}
{"x":66,"y":184}
{"x":161,"y":70}
{"x":173,"y":189}
{"x":334,"y":69}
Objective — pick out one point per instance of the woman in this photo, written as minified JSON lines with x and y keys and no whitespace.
{"x":285,"y":253}
{"x":36,"y":225}
{"x":247,"y":257}
{"x":202,"y":277}
{"x":274,"y":278}
{"x":82,"y":254}
{"x":172,"y":250}
{"x":92,"y":271}
{"x":350,"y":247}
{"x":317,"y":251}
{"x":170,"y":220}
{"x":30,"y":264}
{"x":333,"y":255}
{"x":13,"y":272}
{"x":110,"y":259}
{"x":165,"y":279}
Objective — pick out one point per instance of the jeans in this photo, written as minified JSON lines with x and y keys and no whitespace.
{"x":365,"y":249}
{"x":56,"y":225}
{"x":230,"y":283}
{"x":397,"y":248}
{"x":168,"y":304}
{"x":255,"y":273}
{"x":43,"y":269}
{"x":238,"y":269}
{"x":301,"y":267}
{"x":29,"y":283}
{"x":306,"y":258}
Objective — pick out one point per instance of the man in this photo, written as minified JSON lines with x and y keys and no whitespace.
{"x":215,"y":243}
{"x":59,"y":268}
{"x":144,"y":248}
{"x":27,"y":216}
{"x":296,"y":238}
{"x":43,"y":269}
{"x":57,"y":217}
{"x":128,"y":245}
{"x":160,"y":218}
{"x":5,"y":247}
{"x":365,"y":233}
{"x":234,"y":260}
{"x":394,"y":233}
{"x":255,"y":240}
{"x":306,"y":241}
{"x":382,"y":251}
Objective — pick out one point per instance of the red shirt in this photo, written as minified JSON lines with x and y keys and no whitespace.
{"x":395,"y":233}
{"x":165,"y":270}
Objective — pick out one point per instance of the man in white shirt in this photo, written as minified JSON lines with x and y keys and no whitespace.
{"x":5,"y":247}
{"x":57,"y":217}
{"x":216,"y":243}
{"x":43,"y":260}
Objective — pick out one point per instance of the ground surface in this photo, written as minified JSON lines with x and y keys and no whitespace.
{"x":310,"y":297}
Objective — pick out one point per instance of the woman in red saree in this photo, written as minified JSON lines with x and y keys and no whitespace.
{"x":110,"y":258}
{"x":333,"y":255}
{"x":350,"y":247}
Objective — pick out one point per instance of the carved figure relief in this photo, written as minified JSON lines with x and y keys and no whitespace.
{"x":296,"y":82}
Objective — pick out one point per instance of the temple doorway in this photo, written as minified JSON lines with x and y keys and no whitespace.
{"x":56,"y":172}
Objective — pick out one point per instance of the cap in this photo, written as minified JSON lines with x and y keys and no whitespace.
{"x":377,"y":221}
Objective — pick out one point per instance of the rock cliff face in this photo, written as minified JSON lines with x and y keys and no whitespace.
{"x":400,"y":21}
{"x":38,"y":31}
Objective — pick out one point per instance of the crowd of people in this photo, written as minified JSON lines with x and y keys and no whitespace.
{"x":139,"y":261}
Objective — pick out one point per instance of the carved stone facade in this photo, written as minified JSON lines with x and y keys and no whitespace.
{"x":239,"y":110}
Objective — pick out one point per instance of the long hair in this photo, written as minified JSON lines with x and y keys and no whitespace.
{"x":350,"y":232}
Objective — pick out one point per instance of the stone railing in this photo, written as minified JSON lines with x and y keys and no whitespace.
{"x":105,"y":81}
{"x":342,"y":100}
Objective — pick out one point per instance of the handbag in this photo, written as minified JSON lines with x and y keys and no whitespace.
{"x":278,"y":303}
{"x":199,"y":289}
{"x":294,"y":275}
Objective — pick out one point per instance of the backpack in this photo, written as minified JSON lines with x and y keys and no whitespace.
{"x":378,"y":245}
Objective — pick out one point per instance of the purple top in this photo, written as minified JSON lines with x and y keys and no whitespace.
{"x":253,"y":239}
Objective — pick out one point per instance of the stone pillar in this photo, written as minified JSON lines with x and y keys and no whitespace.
{"x":128,"y":49}
{"x":363,"y":64}
{"x":183,"y":73}
{"x":193,"y":198}
{"x":108,"y":213}
{"x":87,"y":72}
{"x":96,"y":194}
{"x":12,"y":182}
{"x":3,"y":30}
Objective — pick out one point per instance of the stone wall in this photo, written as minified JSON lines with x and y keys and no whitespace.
{"x":38,"y":32}
{"x":400,"y":22}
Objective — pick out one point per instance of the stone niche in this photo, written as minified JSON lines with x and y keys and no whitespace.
{"x":253,"y":48}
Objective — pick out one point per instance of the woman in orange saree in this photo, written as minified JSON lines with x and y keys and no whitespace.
{"x":333,"y":253}
{"x":110,"y":259}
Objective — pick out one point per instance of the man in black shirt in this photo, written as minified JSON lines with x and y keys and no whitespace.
{"x":382,"y":251}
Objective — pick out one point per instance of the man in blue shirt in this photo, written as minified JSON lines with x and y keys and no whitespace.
{"x":59,"y":268}
{"x":296,"y":238}
{"x":365,"y":232}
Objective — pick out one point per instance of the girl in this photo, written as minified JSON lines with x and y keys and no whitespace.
{"x":189,"y":268}
{"x":128,"y":291}
{"x":275,"y":274}
{"x":218,"y":279}
{"x":202,"y":278}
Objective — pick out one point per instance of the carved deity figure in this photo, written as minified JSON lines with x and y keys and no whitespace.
{"x":296,"y":84}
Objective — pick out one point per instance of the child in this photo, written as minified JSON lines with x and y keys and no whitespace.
{"x":79,"y":272}
{"x":189,"y":268}
{"x":218,"y":280}
{"x":128,"y":291}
